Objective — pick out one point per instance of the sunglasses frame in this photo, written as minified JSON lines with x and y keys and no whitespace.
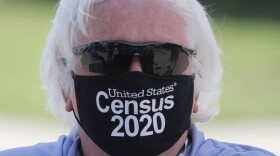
{"x":84,"y":48}
{"x":135,"y":46}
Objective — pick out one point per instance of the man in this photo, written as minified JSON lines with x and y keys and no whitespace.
{"x":133,"y":76}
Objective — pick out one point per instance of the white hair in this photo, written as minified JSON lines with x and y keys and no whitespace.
{"x":71,"y":20}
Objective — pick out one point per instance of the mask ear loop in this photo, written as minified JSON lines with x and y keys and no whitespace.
{"x":73,"y":76}
{"x":79,"y":122}
{"x":82,"y":126}
{"x":81,"y":151}
{"x":77,"y":119}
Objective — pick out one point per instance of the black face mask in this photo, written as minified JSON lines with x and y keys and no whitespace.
{"x":134,"y":113}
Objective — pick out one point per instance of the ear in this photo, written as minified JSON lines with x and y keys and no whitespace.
{"x":195,"y":105}
{"x":68,"y":102}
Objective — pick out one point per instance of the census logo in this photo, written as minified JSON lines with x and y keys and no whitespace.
{"x":133,"y":109}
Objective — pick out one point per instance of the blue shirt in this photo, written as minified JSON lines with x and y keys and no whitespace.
{"x":196,"y":145}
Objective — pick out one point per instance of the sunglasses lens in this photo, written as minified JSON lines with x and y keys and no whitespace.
{"x":106,"y":61}
{"x":163,"y":62}
{"x":114,"y":58}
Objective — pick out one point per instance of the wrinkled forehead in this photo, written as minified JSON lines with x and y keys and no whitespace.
{"x":136,"y":21}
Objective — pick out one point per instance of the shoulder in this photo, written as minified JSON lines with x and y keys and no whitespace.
{"x":198,"y":146}
{"x":214,"y":147}
{"x":59,"y":148}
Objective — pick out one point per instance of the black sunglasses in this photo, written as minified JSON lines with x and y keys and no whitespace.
{"x":114,"y":57}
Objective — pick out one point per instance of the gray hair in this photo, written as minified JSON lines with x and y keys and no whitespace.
{"x":71,"y":20}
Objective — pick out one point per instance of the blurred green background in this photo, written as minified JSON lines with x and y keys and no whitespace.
{"x":248,"y":32}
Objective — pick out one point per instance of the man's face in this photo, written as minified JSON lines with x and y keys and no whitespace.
{"x":133,"y":21}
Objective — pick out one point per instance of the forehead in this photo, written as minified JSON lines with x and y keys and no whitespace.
{"x":135,"y":21}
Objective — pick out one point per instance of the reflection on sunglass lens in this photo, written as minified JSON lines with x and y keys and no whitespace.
{"x":115,"y":57}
